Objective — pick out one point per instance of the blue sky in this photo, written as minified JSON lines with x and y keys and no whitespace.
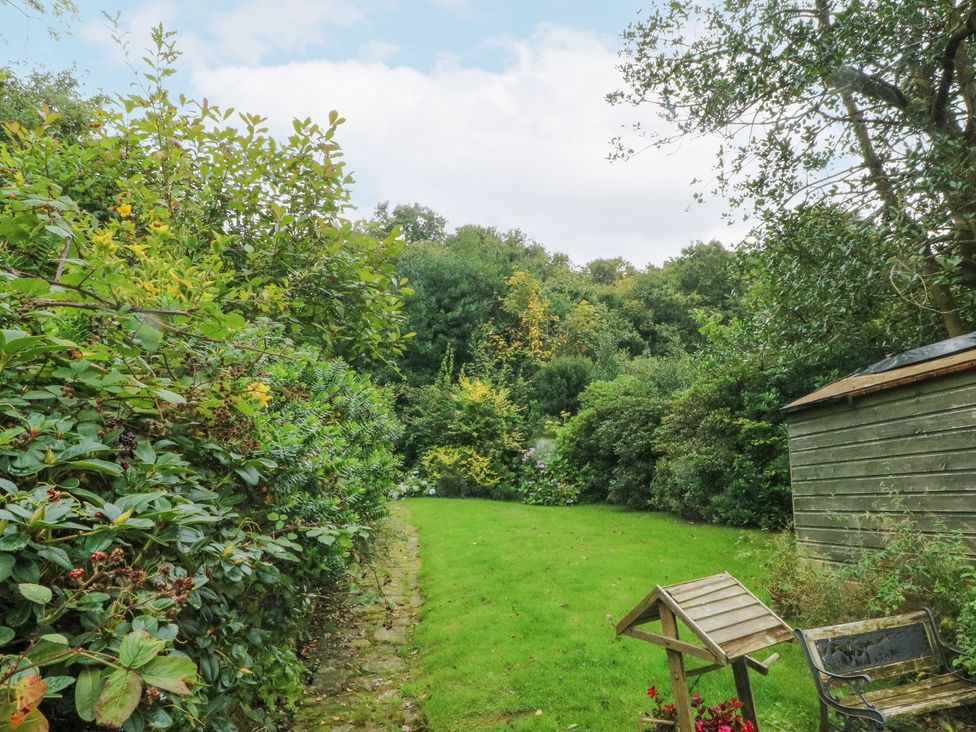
{"x":489,"y":111}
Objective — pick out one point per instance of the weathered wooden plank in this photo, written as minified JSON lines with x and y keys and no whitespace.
{"x":916,"y":424}
{"x":752,"y":643}
{"x":679,"y":681}
{"x":937,"y":461}
{"x":745,"y":629}
{"x":743,"y":689}
{"x":712,"y":646}
{"x":933,"y":482}
{"x":941,"y":692}
{"x":724,"y":620}
{"x":718,"y":607}
{"x":935,"y":396}
{"x":699,"y":582}
{"x":670,"y":643}
{"x":643,"y":612}
{"x":832,"y":554}
{"x":702,"y":589}
{"x":946,"y":521}
{"x":871,"y":539}
{"x":723,"y":594}
{"x":925,"y":501}
{"x":932,"y":442}
{"x":865,"y":626}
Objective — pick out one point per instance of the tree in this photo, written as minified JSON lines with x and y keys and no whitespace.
{"x":23,"y":100}
{"x":416,"y":223}
{"x":871,"y":106}
{"x":608,"y":271}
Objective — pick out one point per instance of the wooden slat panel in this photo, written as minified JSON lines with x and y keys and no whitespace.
{"x":915,"y":502}
{"x":708,"y":609}
{"x":931,"y":442}
{"x":956,"y":391}
{"x":723,"y":594}
{"x":908,"y":482}
{"x":701,"y":581}
{"x":961,"y":521}
{"x":753,"y":643}
{"x":700,"y":589}
{"x":916,"y":424}
{"x":716,"y":622}
{"x":940,"y":692}
{"x":745,"y":629}
{"x":861,"y":537}
{"x":930,"y":462}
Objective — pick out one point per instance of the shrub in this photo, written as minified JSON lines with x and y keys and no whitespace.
{"x":185,"y":464}
{"x":913,"y":570}
{"x":555,"y":389}
{"x":609,"y":449}
{"x":475,"y":451}
{"x":180,"y":521}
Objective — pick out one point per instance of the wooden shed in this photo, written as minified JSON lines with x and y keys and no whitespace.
{"x":895,"y":440}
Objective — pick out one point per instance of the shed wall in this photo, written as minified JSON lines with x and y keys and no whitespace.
{"x":857,"y":467}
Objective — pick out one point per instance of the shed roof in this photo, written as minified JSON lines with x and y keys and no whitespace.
{"x":929,"y":362}
{"x":720,"y":612}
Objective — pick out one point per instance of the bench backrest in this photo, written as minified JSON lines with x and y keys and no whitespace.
{"x":882,"y":648}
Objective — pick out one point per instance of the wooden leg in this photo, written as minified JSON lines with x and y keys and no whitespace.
{"x":743,"y":687}
{"x":679,"y":681}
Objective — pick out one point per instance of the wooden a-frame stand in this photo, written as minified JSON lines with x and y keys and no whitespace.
{"x":728,"y":620}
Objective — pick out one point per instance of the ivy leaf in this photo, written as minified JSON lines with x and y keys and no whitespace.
{"x":87,"y":690}
{"x":139,"y":648}
{"x":119,"y":698}
{"x":171,"y":673}
{"x":35,"y":593}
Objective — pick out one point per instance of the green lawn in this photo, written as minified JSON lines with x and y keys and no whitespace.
{"x":520,"y":603}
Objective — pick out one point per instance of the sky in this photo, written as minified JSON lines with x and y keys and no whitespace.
{"x":490,"y":112}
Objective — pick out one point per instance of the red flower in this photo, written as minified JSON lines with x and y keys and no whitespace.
{"x":652,"y":691}
{"x":98,"y":556}
{"x":76,"y":574}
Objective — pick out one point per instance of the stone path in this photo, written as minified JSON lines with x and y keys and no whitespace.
{"x":364,"y":663}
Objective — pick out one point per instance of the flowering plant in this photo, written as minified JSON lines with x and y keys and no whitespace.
{"x":541,"y":482}
{"x":722,"y":717}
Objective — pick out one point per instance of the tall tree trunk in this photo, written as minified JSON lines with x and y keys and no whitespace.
{"x":893,"y":212}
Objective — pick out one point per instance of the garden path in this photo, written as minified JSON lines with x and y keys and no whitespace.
{"x":364,"y":662}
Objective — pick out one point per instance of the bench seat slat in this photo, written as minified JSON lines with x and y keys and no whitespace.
{"x":929,"y":695}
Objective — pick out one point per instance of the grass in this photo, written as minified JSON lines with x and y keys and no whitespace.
{"x":520,"y":603}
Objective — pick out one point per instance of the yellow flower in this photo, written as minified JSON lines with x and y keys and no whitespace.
{"x":159,"y":227}
{"x":124,"y":209}
{"x":259,"y":392}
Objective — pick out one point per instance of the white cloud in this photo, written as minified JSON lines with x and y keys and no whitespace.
{"x":524,"y":147}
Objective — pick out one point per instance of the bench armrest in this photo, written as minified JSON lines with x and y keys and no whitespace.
{"x":844,"y":677}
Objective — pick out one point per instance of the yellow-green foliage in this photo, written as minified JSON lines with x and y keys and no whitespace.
{"x":473,"y":451}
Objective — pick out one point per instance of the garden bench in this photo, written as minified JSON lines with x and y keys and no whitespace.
{"x":871,"y":672}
